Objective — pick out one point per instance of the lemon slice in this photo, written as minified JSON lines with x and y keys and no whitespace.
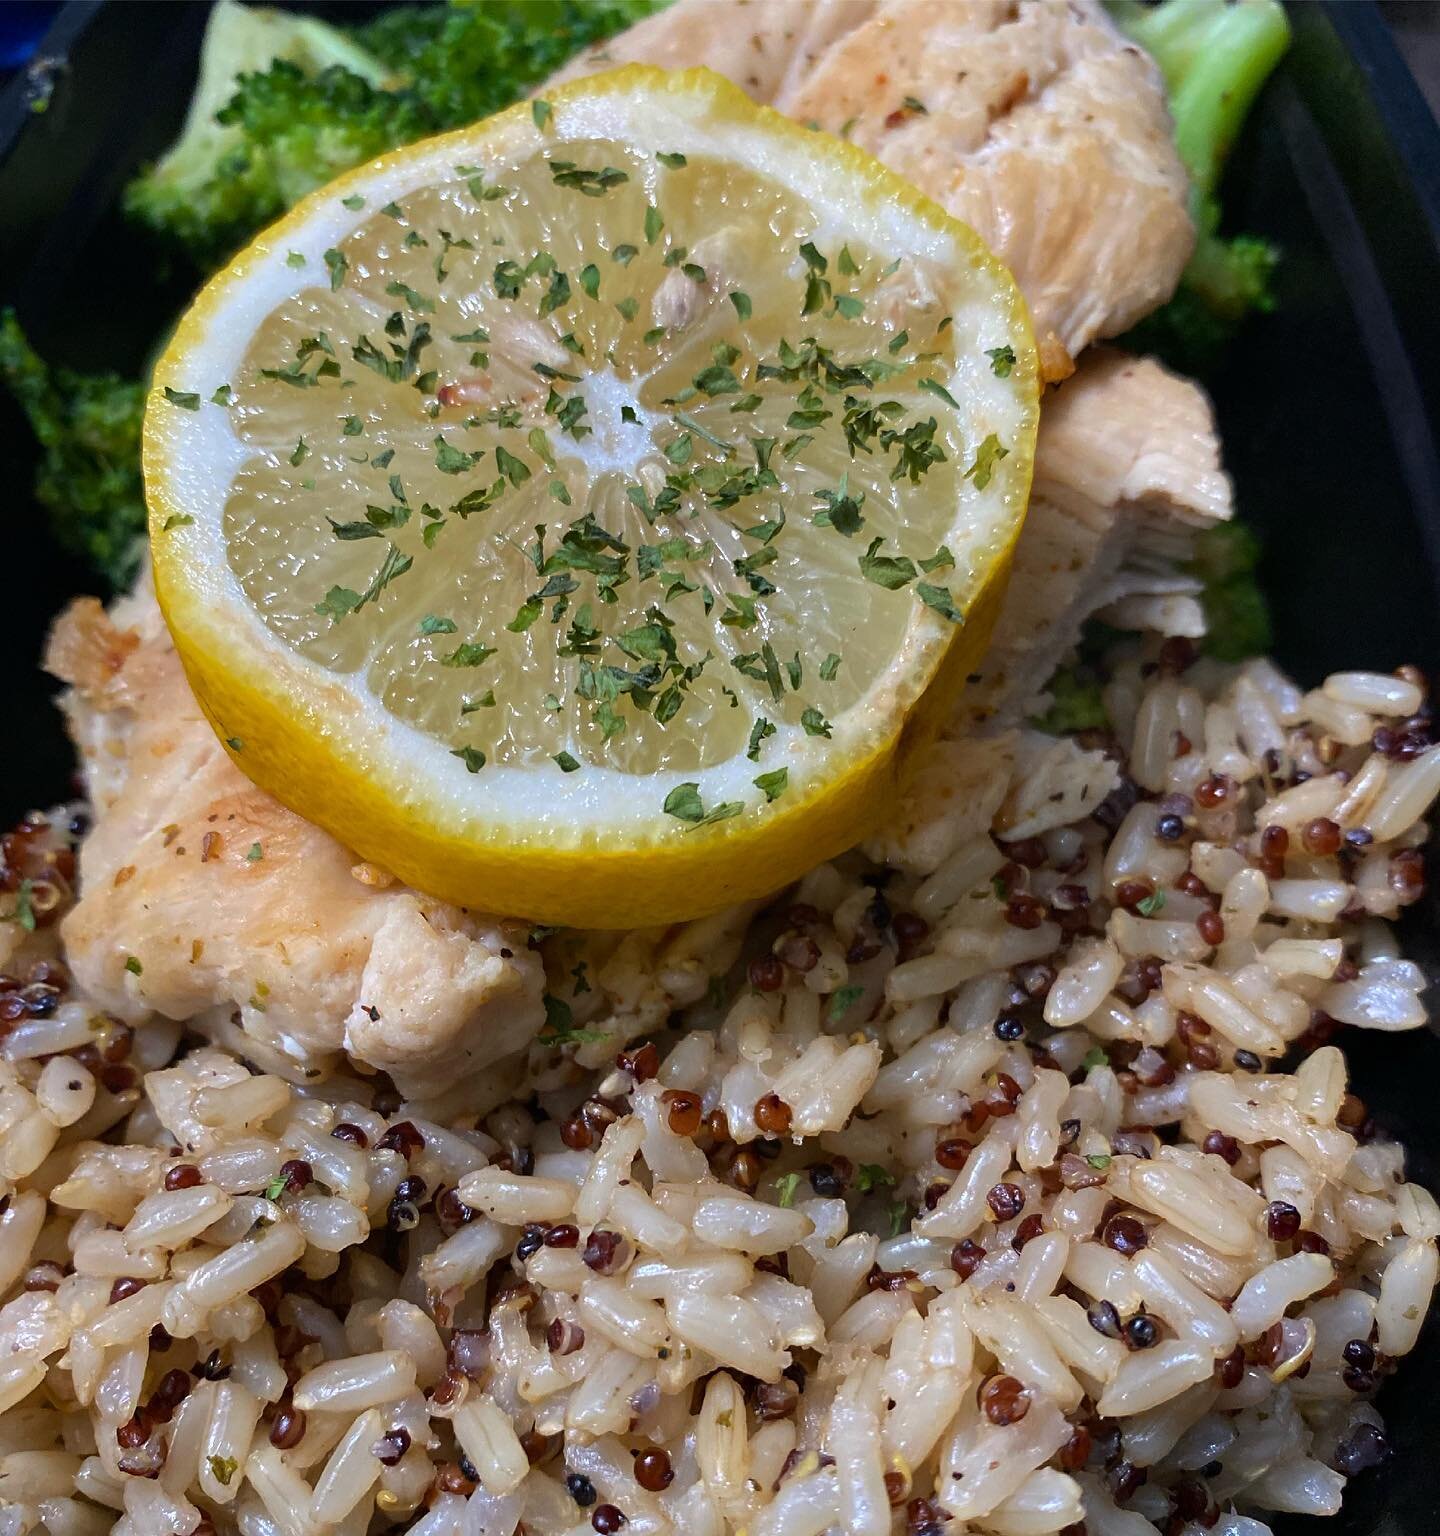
{"x":572,"y":512}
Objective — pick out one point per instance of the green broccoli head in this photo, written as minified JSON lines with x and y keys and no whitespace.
{"x":467,"y":59}
{"x":286,"y":103}
{"x":88,"y":429}
{"x":297,"y":131}
{"x":1226,"y":560}
{"x":283,"y":103}
{"x":1193,"y":331}
{"x":1076,"y":701}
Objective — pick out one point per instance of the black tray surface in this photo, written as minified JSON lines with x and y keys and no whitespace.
{"x":1328,"y":410}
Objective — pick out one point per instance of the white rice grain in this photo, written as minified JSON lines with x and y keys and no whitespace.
{"x":1153,"y":1376}
{"x":225,"y":1449}
{"x":1267,"y":1296}
{"x":1406,"y":1289}
{"x":356,"y":1383}
{"x":728,"y":1221}
{"x":350,"y":1473}
{"x":515,"y":1198}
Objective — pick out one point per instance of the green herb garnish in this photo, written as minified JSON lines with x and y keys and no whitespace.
{"x":773,"y":784}
{"x":872,"y":1176}
{"x":842,"y":999}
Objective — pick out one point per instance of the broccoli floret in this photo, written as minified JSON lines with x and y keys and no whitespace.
{"x":1237,"y":620}
{"x":470,"y":58}
{"x":1215,"y":55}
{"x":283,"y":104}
{"x":88,"y":428}
{"x":1076,"y":703}
{"x":286,"y":103}
{"x":1187,"y":333}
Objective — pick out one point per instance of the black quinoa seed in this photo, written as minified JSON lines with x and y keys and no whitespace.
{"x":828,"y":1181}
{"x":1141,"y":1332}
{"x":1104,"y":1319}
{"x":1363,"y":1449}
{"x":1359,"y":1352}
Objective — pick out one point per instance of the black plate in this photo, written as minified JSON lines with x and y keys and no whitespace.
{"x":1327,"y":411}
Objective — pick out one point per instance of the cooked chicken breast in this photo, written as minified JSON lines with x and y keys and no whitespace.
{"x":765,"y":46}
{"x":1127,"y":470}
{"x":1035,"y":121}
{"x":1038,"y":124}
{"x":202,"y":898}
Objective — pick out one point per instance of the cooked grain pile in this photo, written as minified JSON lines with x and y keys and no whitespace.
{"x":1001,"y":1177}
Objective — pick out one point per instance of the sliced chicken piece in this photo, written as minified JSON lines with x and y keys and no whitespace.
{"x":950,"y":801}
{"x":1127,"y":470}
{"x":1127,"y":431}
{"x":202,"y":898}
{"x":764,"y":46}
{"x":1035,"y":121}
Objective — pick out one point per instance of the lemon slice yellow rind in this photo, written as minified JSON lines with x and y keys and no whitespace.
{"x":591,"y":846}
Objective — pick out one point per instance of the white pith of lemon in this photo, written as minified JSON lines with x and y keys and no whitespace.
{"x":362,"y":423}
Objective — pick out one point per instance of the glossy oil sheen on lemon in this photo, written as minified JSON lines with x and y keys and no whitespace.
{"x":590,"y":465}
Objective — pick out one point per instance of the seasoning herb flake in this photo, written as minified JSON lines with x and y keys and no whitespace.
{"x":23,"y":912}
{"x":785,"y":1187}
{"x":773,"y":784}
{"x":842,"y":999}
{"x":871,"y":1176}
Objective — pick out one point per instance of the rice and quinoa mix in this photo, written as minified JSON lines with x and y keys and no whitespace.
{"x":1001,"y":1177}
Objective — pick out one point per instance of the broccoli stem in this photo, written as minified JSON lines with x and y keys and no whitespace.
{"x":1215,"y":56}
{"x":1235,"y":48}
